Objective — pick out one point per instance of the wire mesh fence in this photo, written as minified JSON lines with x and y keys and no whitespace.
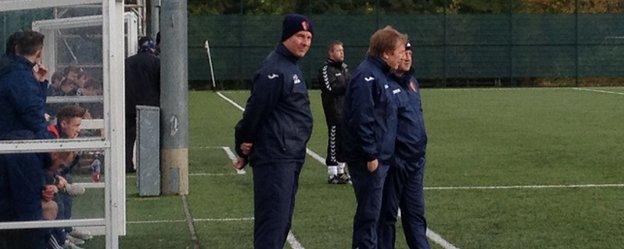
{"x":501,"y":43}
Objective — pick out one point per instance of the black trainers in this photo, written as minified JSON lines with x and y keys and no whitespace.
{"x":344,"y":178}
{"x":333,"y":179}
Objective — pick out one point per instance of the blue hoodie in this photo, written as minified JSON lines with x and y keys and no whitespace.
{"x":277,"y":117}
{"x":22,"y":99}
{"x":371,"y":107}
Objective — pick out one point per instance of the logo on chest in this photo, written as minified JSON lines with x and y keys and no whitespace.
{"x":296,"y":79}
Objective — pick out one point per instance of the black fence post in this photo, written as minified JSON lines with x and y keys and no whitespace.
{"x":576,"y":43}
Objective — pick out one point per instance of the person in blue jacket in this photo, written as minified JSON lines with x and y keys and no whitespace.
{"x":23,"y":87}
{"x":404,"y":184}
{"x":21,"y":191}
{"x":371,"y":121}
{"x":274,"y":131}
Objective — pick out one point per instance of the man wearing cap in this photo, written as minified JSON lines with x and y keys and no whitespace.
{"x":333,"y":78}
{"x":371,"y":107}
{"x":274,"y":131}
{"x":142,"y":88}
{"x":404,"y":184}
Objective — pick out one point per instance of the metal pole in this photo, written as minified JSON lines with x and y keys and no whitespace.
{"x":576,"y":43}
{"x":174,"y":97}
{"x":154,"y":18}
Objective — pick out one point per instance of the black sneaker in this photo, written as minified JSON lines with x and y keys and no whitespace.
{"x":344,"y":178}
{"x":333,"y":179}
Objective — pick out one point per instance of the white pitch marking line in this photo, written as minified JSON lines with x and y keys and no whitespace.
{"x":231,"y":101}
{"x":197,"y":219}
{"x":232,"y":157}
{"x":207,"y":147}
{"x":294,"y":243}
{"x":530,"y":186}
{"x":189,"y":222}
{"x":199,"y":174}
{"x":596,"y":90}
{"x":322,"y":161}
{"x":439,"y":240}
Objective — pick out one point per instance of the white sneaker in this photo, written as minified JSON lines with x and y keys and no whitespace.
{"x":69,"y":245}
{"x":83,"y":235}
{"x":74,"y":189}
{"x":73,"y":240}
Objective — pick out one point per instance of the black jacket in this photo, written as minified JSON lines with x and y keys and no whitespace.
{"x":371,"y":107}
{"x":142,"y":81}
{"x":333,"y":79}
{"x":22,"y":98}
{"x":277,"y":117}
{"x":411,"y":134}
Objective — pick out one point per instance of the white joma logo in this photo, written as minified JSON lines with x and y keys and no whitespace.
{"x":369,"y":78}
{"x":273,"y":76}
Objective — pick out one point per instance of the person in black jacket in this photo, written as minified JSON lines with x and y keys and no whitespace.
{"x":274,"y":131}
{"x":142,"y":88}
{"x":371,"y":107}
{"x":333,"y":79}
{"x":404,"y":185}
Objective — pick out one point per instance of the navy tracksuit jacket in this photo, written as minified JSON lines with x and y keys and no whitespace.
{"x":278,"y":121}
{"x":371,"y":123}
{"x":22,"y":98}
{"x":22,"y":179}
{"x":404,"y":184}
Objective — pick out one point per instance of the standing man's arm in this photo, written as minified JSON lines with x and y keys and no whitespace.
{"x":363,"y":108}
{"x":266,"y":91}
{"x":329,"y":83}
{"x":29,"y":103}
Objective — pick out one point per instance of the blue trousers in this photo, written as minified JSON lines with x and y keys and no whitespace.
{"x":404,"y":189}
{"x":275,"y":187}
{"x":368,"y":187}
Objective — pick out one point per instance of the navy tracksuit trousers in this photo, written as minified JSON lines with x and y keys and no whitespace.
{"x":275,"y":187}
{"x":404,"y":188}
{"x":368,"y":187}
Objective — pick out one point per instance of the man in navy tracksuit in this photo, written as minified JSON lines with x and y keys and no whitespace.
{"x":21,"y":186}
{"x":23,"y":87}
{"x":274,"y":131}
{"x":22,"y":106}
{"x":404,"y":184}
{"x":371,"y":119}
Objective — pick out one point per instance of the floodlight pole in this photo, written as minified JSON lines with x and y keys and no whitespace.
{"x":174,"y":98}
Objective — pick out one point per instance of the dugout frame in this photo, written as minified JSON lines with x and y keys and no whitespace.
{"x":112,"y":143}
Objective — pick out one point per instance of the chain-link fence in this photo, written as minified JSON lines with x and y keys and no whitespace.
{"x":505,"y":43}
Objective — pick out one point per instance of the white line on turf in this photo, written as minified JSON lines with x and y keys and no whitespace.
{"x":439,"y":240}
{"x":322,"y":161}
{"x":189,"y":222}
{"x":530,"y":186}
{"x":294,"y":243}
{"x":232,"y":157}
{"x":596,"y":90}
{"x":196,"y":220}
{"x":199,"y":174}
{"x":231,"y":101}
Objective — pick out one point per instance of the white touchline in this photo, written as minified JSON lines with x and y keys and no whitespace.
{"x":195,"y":219}
{"x":322,"y":161}
{"x":439,"y":240}
{"x":596,"y":90}
{"x":189,"y":221}
{"x":294,"y":243}
{"x":232,"y":157}
{"x":615,"y":185}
